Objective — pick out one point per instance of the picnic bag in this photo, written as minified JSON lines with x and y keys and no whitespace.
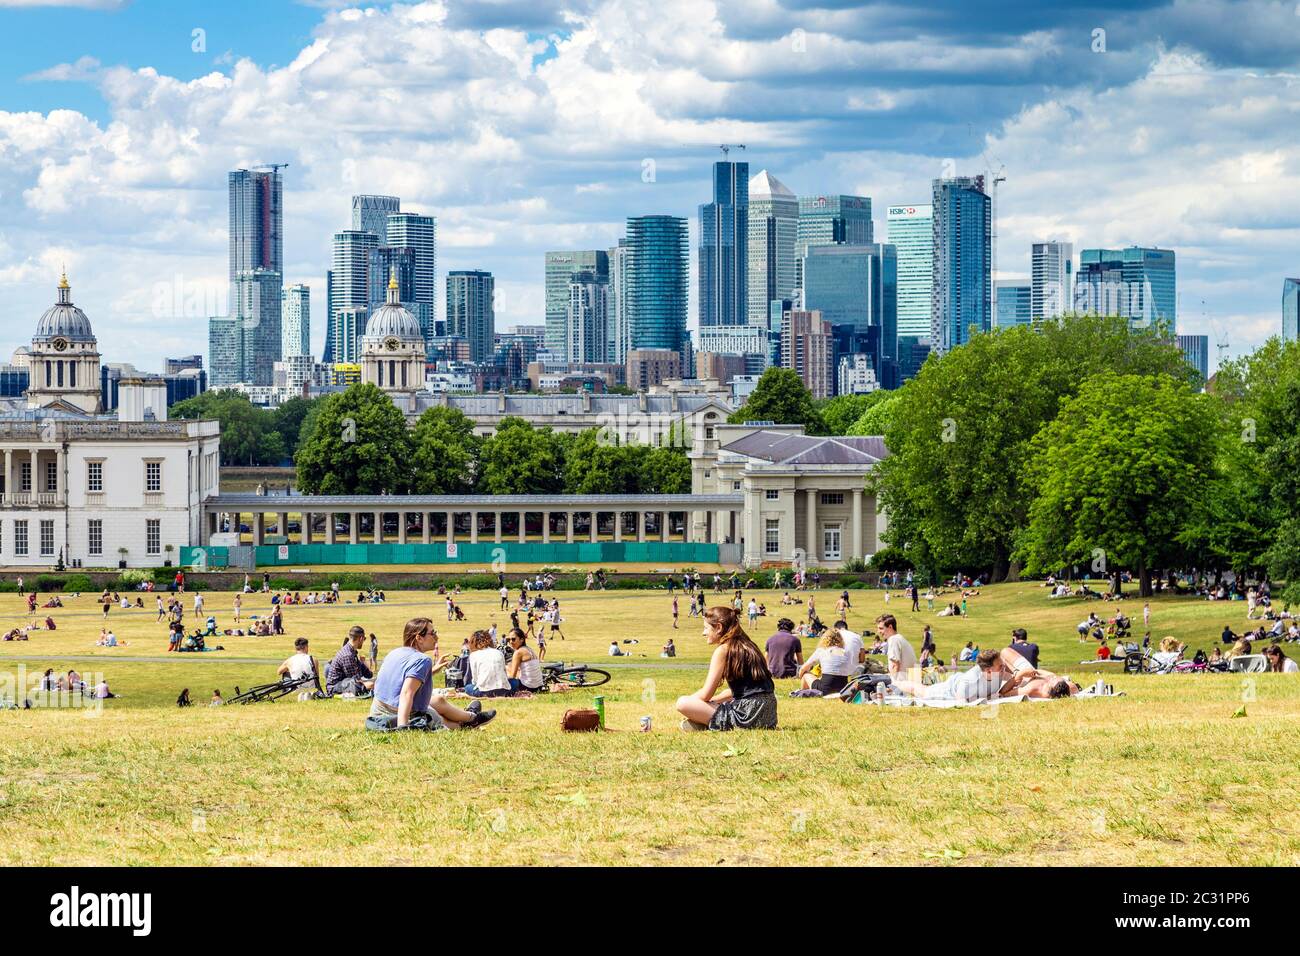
{"x":583,"y":719}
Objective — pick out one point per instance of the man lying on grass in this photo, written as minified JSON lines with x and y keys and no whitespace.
{"x":403,"y":690}
{"x":995,"y":674}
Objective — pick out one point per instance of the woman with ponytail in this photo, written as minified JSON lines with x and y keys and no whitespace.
{"x":749,"y":702}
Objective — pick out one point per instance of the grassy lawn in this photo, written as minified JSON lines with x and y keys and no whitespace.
{"x":1164,"y":775}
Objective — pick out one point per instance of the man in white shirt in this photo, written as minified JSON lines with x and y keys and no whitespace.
{"x":300,"y":665}
{"x":505,"y":598}
{"x":899,"y":653}
{"x":198,"y":604}
{"x":853,"y":646}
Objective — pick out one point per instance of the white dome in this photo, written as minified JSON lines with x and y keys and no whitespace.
{"x":63,"y":320}
{"x":391,"y":320}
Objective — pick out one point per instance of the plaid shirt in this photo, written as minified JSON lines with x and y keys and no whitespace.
{"x":346,"y":663}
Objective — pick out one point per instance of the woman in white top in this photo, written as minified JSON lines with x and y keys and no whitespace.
{"x":836,"y":666}
{"x":525,"y":670}
{"x":1278,"y":661}
{"x":487,"y":668}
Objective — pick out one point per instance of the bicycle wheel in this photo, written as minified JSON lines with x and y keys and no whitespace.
{"x":582,"y":677}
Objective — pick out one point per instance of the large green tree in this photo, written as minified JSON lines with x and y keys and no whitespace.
{"x":959,"y":433}
{"x":521,"y":460}
{"x":841,"y":412}
{"x":1119,"y":472}
{"x":248,"y":433}
{"x":781,"y":397}
{"x":446,"y":453}
{"x":359,"y":445}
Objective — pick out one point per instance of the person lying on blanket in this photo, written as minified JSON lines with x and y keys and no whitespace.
{"x":1045,"y":684}
{"x":992,"y":672}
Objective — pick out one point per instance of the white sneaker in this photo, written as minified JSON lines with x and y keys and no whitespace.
{"x":690,"y":725}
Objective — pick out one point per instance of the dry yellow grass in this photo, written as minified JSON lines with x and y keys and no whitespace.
{"x":1164,"y":775}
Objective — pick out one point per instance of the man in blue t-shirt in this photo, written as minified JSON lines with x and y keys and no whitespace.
{"x":1022,"y":645}
{"x":404,"y":688}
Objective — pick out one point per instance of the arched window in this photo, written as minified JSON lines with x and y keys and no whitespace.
{"x":49,"y":373}
{"x":59,"y":375}
{"x":403,"y":375}
{"x":379,"y":366}
{"x":72,"y":374}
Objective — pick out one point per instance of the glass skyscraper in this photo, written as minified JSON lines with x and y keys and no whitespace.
{"x":912,"y":234}
{"x":471,"y":311}
{"x":419,"y":234}
{"x":656,"y":283}
{"x":855,"y":289}
{"x":1290,"y":310}
{"x":256,"y":305}
{"x":723,"y":253}
{"x":1051,"y":280}
{"x":1138,"y":283}
{"x":961,"y":296}
{"x":1196,"y":350}
{"x":560,"y":268}
{"x":830,"y":221}
{"x":295,"y":321}
{"x":773,"y":224}
{"x":370,"y":214}
{"x":1014,"y":304}
{"x":256,"y":267}
{"x":587,"y":321}
{"x":349,"y":280}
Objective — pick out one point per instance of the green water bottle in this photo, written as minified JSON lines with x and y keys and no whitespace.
{"x":599,"y":704}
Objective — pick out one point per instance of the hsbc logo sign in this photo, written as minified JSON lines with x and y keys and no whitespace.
{"x":908,"y":212}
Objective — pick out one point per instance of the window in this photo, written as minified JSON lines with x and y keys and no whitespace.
{"x":708,"y":431}
{"x":25,"y":476}
{"x":772,"y":494}
{"x":95,"y":535}
{"x":47,"y":539}
{"x":735,"y":486}
{"x":707,"y":473}
{"x":94,"y":476}
{"x":832,"y":497}
{"x":153,"y":476}
{"x":152,"y":536}
{"x":51,"y":476}
{"x":20,"y":538}
{"x":772,"y":536}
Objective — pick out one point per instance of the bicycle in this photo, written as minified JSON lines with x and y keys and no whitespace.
{"x":556,"y":675}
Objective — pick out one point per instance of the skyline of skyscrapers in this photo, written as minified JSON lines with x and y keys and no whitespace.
{"x":723,"y":260}
{"x":855,"y":290}
{"x":587,"y":318}
{"x":773,"y":224}
{"x":295,"y":321}
{"x":370,"y":214}
{"x":1014,"y":303}
{"x":419,"y":233}
{"x":256,"y":273}
{"x":961,"y":294}
{"x":559,"y":267}
{"x":349,"y":279}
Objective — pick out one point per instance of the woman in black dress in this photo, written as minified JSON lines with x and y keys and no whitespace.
{"x":749,"y":702}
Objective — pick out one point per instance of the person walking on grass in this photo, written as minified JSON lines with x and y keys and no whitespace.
{"x":239,"y":606}
{"x":749,"y":701}
{"x":403,"y":693}
{"x":674,"y":612}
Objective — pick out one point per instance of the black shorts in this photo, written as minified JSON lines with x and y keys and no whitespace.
{"x":830,"y":684}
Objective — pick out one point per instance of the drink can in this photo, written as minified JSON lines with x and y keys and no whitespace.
{"x":599,"y":704}
{"x":645,"y":724}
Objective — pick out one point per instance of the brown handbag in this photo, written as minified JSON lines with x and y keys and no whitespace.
{"x":584,"y":719}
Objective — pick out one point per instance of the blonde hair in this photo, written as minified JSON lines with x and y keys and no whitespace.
{"x":832,"y":638}
{"x":480,"y":640}
{"x":1170,"y":643}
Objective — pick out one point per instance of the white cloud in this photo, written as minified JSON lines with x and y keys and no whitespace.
{"x":516,"y":154}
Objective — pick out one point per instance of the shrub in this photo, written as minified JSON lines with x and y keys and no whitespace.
{"x":890,"y":559}
{"x":79,"y":583}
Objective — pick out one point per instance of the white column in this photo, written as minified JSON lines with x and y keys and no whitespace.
{"x":496,"y":528}
{"x":401,"y":527}
{"x":306,"y":527}
{"x":60,"y":458}
{"x":665,"y":524}
{"x":618,"y":526}
{"x":36,"y":475}
{"x":857,"y":523}
{"x":9,"y":474}
{"x":329,"y":527}
{"x":354,"y":527}
{"x":594,"y":516}
{"x":425,"y":532}
{"x":568,"y":527}
{"x":473,"y":527}
{"x":451,"y":527}
{"x":379,"y":527}
{"x":546,"y":527}
{"x":259,"y":527}
{"x":811,"y":530}
{"x":640,"y":525}
{"x":523,"y":526}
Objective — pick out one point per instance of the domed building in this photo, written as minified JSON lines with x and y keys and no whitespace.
{"x":64,"y":358}
{"x":393,"y":350}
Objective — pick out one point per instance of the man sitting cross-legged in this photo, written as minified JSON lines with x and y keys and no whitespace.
{"x":347,"y":673}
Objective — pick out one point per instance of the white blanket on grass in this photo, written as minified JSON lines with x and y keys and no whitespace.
{"x":904,"y":701}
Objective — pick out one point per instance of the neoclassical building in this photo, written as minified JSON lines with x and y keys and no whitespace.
{"x":90,"y":488}
{"x":804,"y":497}
{"x":393,"y":349}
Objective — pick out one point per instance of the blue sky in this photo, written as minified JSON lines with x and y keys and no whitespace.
{"x":525,"y":126}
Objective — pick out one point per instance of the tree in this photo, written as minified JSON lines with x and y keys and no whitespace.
{"x":359,"y":445}
{"x":521,"y":460}
{"x":287,"y":420}
{"x":1118,"y":473}
{"x":248,"y":434}
{"x":446,"y":452}
{"x":839,"y":413}
{"x":876,"y":418}
{"x":959,"y":433}
{"x":666,"y":471}
{"x":781,"y":397}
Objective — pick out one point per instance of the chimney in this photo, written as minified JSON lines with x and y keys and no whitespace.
{"x":586,"y":400}
{"x":501,"y":402}
{"x":142,"y":400}
{"x":641,"y":401}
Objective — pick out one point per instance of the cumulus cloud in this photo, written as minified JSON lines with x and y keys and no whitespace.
{"x":531,"y":131}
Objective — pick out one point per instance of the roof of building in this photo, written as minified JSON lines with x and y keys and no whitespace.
{"x":63,"y":320}
{"x":783,"y":448}
{"x":536,"y":405}
{"x":245,"y":501}
{"x":764,"y":185}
